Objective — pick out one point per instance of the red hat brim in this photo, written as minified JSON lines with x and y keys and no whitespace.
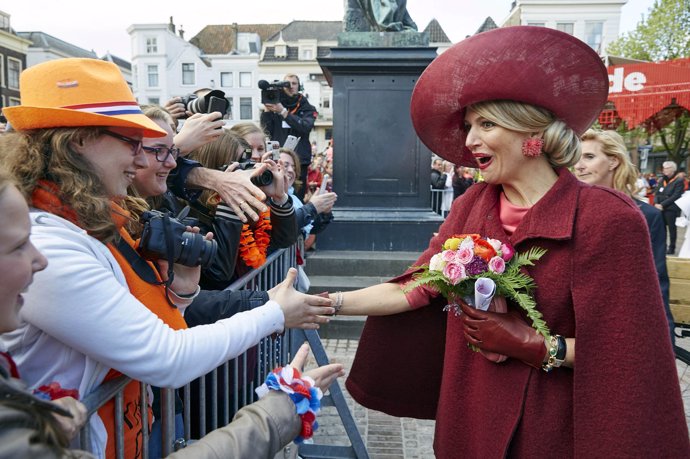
{"x":534,"y":65}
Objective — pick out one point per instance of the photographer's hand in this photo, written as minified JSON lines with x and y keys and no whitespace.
{"x":198,"y":130}
{"x":276,"y":108}
{"x":300,"y":310}
{"x":176,"y":108}
{"x":235,"y":189}
{"x":277,"y":190}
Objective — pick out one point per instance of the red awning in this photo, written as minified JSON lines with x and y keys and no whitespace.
{"x":652,"y":94}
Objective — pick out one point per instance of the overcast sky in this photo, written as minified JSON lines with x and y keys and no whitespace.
{"x":102,"y":25}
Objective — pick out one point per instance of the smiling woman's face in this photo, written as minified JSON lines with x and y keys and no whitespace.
{"x":152,"y":180}
{"x":19,"y":259}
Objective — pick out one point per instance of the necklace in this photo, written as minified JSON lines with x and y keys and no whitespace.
{"x":254,"y":241}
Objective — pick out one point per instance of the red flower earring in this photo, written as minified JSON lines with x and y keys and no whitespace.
{"x":531,"y":147}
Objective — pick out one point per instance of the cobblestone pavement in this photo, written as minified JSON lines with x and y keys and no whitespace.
{"x":386,"y":437}
{"x":389,"y":437}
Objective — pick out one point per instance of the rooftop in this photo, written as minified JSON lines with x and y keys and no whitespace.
{"x":220,"y":39}
{"x":44,"y":40}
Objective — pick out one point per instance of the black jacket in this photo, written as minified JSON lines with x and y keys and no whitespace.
{"x":301,"y":117}
{"x":667,"y":191}
{"x":438,"y":180}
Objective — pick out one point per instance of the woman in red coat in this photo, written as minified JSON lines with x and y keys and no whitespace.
{"x":513,"y":102}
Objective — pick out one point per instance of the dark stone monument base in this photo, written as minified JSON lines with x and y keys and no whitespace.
{"x":382,"y":230}
{"x":381,"y":170}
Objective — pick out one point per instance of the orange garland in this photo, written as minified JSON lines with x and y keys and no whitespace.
{"x":254,"y":241}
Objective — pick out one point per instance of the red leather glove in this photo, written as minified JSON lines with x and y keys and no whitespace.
{"x":506,"y":334}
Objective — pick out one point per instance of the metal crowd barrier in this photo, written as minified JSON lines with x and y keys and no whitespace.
{"x":269,"y":353}
{"x":437,"y":197}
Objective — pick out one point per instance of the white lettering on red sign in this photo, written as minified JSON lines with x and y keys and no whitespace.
{"x":631,"y":82}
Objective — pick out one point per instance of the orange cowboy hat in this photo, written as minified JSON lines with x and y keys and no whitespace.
{"x":77,"y":92}
{"x":535,"y":65}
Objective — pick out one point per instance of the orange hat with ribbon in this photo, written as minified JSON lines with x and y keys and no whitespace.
{"x":74,"y":93}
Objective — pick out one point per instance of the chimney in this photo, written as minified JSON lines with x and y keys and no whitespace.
{"x":181,"y":32}
{"x":235,"y":36}
{"x":171,"y":25}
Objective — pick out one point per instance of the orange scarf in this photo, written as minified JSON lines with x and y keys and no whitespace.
{"x":45,"y":197}
{"x":254,"y":241}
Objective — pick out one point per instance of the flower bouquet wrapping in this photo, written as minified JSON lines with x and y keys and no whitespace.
{"x":474,"y":269}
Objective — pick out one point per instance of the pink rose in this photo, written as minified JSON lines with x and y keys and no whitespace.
{"x":454,"y":273}
{"x":497,"y":265}
{"x":464,"y":254}
{"x":507,"y":252}
{"x":448,"y":255}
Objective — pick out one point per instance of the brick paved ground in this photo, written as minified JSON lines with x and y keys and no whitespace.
{"x":389,"y":437}
{"x":386,"y":437}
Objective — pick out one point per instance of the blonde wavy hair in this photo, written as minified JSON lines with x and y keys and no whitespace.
{"x":39,"y":154}
{"x":613,"y":146}
{"x":561,"y":144}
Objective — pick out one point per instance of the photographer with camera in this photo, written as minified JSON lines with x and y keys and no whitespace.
{"x":189,"y":178}
{"x":274,"y":229}
{"x":91,"y":316}
{"x":291,"y":114}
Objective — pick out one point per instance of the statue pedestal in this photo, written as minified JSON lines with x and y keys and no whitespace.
{"x":381,"y":169}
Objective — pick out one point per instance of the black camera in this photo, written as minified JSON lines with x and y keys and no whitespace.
{"x":213,"y":101}
{"x":162,"y":231}
{"x":271,"y":92}
{"x":263,"y":179}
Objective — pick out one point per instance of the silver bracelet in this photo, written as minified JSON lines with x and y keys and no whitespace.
{"x":338,"y":303}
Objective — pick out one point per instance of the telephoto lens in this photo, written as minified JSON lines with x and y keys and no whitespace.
{"x":263,"y":179}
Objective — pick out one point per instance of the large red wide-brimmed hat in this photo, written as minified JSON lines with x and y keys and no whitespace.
{"x":534,"y":65}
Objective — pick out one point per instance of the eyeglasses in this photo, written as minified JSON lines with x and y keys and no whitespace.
{"x":162,"y":153}
{"x":134,"y":143}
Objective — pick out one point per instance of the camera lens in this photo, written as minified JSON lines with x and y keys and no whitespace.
{"x":197,"y":105}
{"x":196,"y":250}
{"x":263,"y":179}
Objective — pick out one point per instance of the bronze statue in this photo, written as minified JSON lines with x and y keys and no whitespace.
{"x":377,"y":16}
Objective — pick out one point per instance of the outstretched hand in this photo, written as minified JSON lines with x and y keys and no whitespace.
{"x":300,"y":310}
{"x":323,"y":376}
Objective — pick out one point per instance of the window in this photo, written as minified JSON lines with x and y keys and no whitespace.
{"x":226,"y":79}
{"x":537,"y":24}
{"x":593,"y":34}
{"x":2,"y":72}
{"x":153,"y":75}
{"x":188,"y":74}
{"x":14,"y":68}
{"x":151,"y":45}
{"x":326,"y":103}
{"x":566,"y":27}
{"x":245,"y":80}
{"x":13,"y":101}
{"x":245,"y":108}
{"x":154,"y":100}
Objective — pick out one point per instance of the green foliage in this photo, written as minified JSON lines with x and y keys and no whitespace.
{"x":663,"y":35}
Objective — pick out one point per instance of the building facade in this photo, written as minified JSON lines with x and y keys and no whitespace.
{"x":596,"y":22}
{"x":13,"y":50}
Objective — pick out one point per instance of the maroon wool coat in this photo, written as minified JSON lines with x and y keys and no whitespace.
{"x":596,"y":283}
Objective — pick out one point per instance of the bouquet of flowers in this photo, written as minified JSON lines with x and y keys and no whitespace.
{"x":475,"y":269}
